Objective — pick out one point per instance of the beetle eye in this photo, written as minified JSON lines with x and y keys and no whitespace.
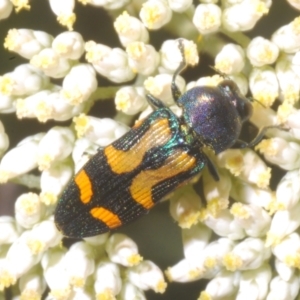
{"x":245,"y":110}
{"x":242,"y":104}
{"x":229,"y":86}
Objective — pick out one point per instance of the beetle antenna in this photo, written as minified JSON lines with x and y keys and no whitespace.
{"x":175,"y":90}
{"x":225,"y":76}
{"x":255,"y":100}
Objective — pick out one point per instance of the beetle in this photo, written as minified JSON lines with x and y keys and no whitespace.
{"x":122,"y":181}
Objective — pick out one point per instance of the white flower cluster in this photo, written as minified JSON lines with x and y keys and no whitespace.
{"x":244,"y":226}
{"x":89,"y":269}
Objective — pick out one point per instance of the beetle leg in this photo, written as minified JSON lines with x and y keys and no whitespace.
{"x":212,"y":169}
{"x":154,"y":102}
{"x":239,"y":144}
{"x":176,"y":93}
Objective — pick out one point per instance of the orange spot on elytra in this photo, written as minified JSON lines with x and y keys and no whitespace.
{"x":84,"y":185}
{"x":126,"y":161}
{"x":106,"y":216}
{"x":142,"y":184}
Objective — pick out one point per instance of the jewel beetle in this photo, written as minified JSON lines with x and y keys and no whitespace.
{"x":122,"y":181}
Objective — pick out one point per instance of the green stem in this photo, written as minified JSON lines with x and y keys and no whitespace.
{"x":28,"y":180}
{"x":238,"y":37}
{"x":104,"y":93}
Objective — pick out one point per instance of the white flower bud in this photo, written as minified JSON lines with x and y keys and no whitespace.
{"x":27,"y":42}
{"x":46,"y":105}
{"x":33,"y":106}
{"x":243,"y":15}
{"x":261,"y":51}
{"x":252,"y":218}
{"x":147,"y":275}
{"x":247,"y":165}
{"x":284,"y":271}
{"x":24,"y":80}
{"x":155,"y":14}
{"x":43,"y":236}
{"x":130,"y":100}
{"x":293,"y":122}
{"x":249,"y":194}
{"x":109,"y":62}
{"x":51,"y":63}
{"x":28,"y":210}
{"x":69,"y":45}
{"x":177,"y":111}
{"x":130,"y":29}
{"x":55,"y":274}
{"x":280,"y":152}
{"x":56,"y":145}
{"x":206,"y":81}
{"x":83,"y":150}
{"x":64,"y":12}
{"x":194,"y":240}
{"x":54,"y":180}
{"x":288,"y":80}
{"x":294,"y":3}
{"x":32,"y":285}
{"x":13,"y":163}
{"x":185,"y":207}
{"x":216,"y":193}
{"x":287,"y":37}
{"x":231,"y":59}
{"x":255,"y":282}
{"x":281,"y":289}
{"x":180,"y":5}
{"x":7,"y":104}
{"x":18,"y":261}
{"x":287,"y":250}
{"x":249,"y":254}
{"x":6,"y":8}
{"x":83,"y":294}
{"x":100,"y":131}
{"x":146,"y":113}
{"x":60,"y":110}
{"x":79,"y":263}
{"x":214,"y":253}
{"x":185,"y":270}
{"x":4,"y":141}
{"x":97,"y":240}
{"x":107,"y":280}
{"x":288,"y":190}
{"x":295,"y":62}
{"x":171,"y":56}
{"x":109,"y":4}
{"x":223,"y":286}
{"x":225,"y":225}
{"x":142,"y":58}
{"x":123,"y":250}
{"x":207,"y":18}
{"x":130,"y":291}
{"x":79,"y":84}
{"x":160,"y":87}
{"x":264,"y":85}
{"x":8,"y":230}
{"x":283,"y":223}
{"x":263,"y":116}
